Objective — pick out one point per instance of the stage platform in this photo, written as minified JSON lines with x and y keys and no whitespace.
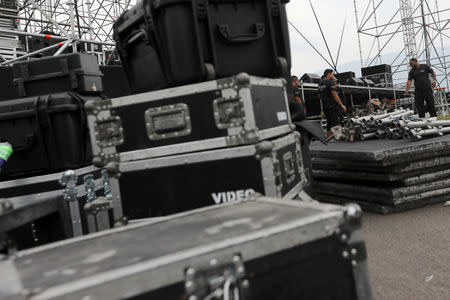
{"x":383,"y":176}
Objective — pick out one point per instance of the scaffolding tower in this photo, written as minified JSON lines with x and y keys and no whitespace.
{"x":56,"y":25}
{"x":402,"y":30}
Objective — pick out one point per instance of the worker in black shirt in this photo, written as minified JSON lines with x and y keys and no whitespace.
{"x":423,"y":87}
{"x":295,"y":101}
{"x":331,"y":103}
{"x":296,"y":90}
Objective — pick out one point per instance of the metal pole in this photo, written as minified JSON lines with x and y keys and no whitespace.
{"x":31,"y":54}
{"x":63,"y":47}
{"x":425,"y":34}
{"x":72,"y":25}
{"x":78,"y":17}
{"x":36,"y":20}
{"x":55,"y":37}
{"x":442,"y":46}
{"x":359,"y":36}
{"x":88,"y":4}
{"x":376,"y":30}
{"x":395,"y":95}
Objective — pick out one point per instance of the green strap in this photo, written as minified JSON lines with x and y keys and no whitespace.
{"x":5,"y":151}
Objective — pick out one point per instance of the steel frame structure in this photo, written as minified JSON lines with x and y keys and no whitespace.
{"x":89,"y":22}
{"x":418,"y":28}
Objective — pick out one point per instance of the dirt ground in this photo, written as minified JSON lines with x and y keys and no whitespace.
{"x":409,"y":253}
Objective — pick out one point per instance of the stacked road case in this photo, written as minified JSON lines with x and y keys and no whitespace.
{"x":190,"y":152}
{"x":48,"y":133}
{"x":202,"y":144}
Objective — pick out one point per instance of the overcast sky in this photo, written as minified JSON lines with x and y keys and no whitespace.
{"x":331,"y":14}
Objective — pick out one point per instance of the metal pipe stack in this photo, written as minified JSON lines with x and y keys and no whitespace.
{"x":398,"y":124}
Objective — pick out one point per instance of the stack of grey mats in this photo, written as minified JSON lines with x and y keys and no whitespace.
{"x":383,"y":176}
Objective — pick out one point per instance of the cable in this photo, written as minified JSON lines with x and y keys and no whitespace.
{"x":298,"y":31}
{"x":323,"y":35}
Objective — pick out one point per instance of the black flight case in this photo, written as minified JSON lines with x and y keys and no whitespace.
{"x":256,"y":249}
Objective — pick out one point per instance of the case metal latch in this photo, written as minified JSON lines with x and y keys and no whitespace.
{"x":69,"y":181}
{"x":109,"y":131}
{"x":218,"y":279}
{"x":277,"y":174}
{"x":168,"y":121}
{"x":106,"y":185}
{"x":96,"y":209}
{"x":304,"y":178}
{"x":289,"y":167}
{"x":229,"y":112}
{"x":89,"y":185}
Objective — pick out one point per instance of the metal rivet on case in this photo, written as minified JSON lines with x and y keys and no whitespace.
{"x":345,"y":254}
{"x":353,"y":251}
{"x":245,"y":284}
{"x":213,"y":262}
{"x":190,"y":271}
{"x":240,"y":269}
{"x":343,"y":237}
{"x":354,"y":263}
{"x":188,"y":284}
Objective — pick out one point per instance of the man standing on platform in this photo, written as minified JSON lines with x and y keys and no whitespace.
{"x":332,"y":105}
{"x":295,"y":90}
{"x":423,"y":87}
{"x":296,"y":106}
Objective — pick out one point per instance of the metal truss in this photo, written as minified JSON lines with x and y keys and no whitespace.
{"x":416,"y":29}
{"x":85,"y":22}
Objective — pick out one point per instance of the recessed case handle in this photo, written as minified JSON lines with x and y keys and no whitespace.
{"x":224,"y":30}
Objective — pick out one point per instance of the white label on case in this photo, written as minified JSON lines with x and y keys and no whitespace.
{"x":224,"y":197}
{"x":282,"y":116}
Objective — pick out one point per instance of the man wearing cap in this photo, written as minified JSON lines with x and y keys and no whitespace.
{"x":332,"y":104}
{"x":423,"y":87}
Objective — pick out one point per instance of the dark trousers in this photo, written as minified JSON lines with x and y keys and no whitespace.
{"x":428,"y":97}
{"x":333,"y":116}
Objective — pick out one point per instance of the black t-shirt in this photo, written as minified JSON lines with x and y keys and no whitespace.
{"x":325,"y":88}
{"x":294,"y":92}
{"x":421,"y":79}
